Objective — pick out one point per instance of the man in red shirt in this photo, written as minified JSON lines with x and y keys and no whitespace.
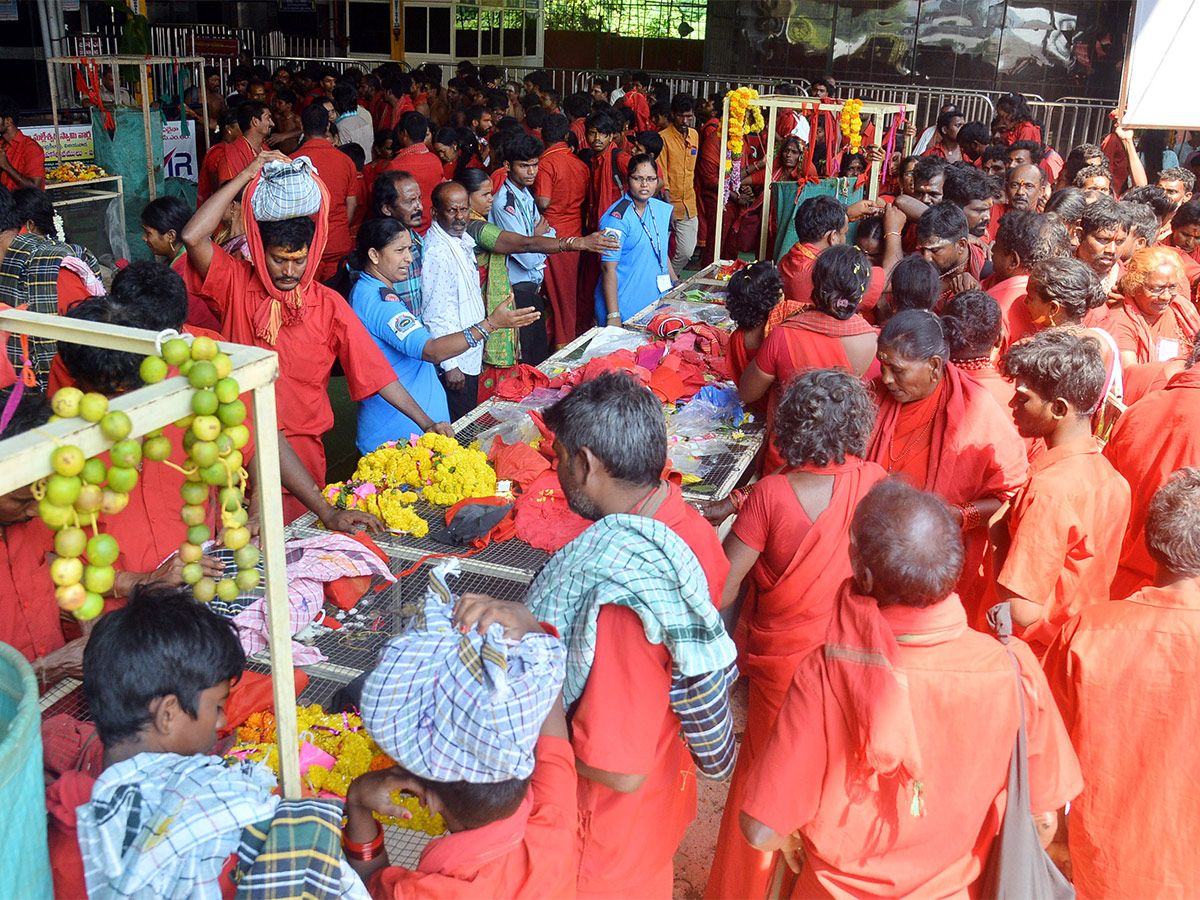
{"x":1124,"y":675}
{"x":637,"y":792}
{"x":884,"y":767}
{"x":255,"y":122}
{"x":1057,"y":549}
{"x":22,"y":161}
{"x":1023,"y":240}
{"x":275,"y":302}
{"x":510,"y":803}
{"x":207,"y":180}
{"x":395,"y":103}
{"x":339,"y":175}
{"x":414,"y":157}
{"x":559,"y":191}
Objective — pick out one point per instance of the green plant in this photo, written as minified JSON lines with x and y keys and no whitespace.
{"x":135,"y":37}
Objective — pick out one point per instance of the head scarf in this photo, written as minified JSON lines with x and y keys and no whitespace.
{"x":286,"y":192}
{"x":461,"y":707}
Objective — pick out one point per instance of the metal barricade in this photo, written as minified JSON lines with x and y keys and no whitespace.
{"x":976,"y":107}
{"x":1072,"y":121}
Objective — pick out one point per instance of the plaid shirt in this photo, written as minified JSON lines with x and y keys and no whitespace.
{"x":161,"y":826}
{"x":640,"y":563}
{"x":409,"y":290}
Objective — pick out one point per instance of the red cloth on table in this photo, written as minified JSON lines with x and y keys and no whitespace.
{"x":1124,"y":675}
{"x":1150,"y":341}
{"x":806,"y":340}
{"x":327,"y":330}
{"x":517,"y":462}
{"x":426,"y":168}
{"x":624,"y":723}
{"x":974,"y":451}
{"x":521,"y":381}
{"x":563,"y":180}
{"x":800,"y":780}
{"x":1153,"y":438}
{"x":238,"y":155}
{"x":1066,"y":525}
{"x":796,"y":578}
{"x":345,"y":592}
{"x":29,"y":622}
{"x":531,"y":854}
{"x":253,"y":693}
{"x":26,"y":156}
{"x":338,"y":173}
{"x":543,"y":519}
{"x":199,"y":314}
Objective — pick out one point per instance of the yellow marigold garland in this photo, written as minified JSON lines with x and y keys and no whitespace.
{"x":851,"y":124}
{"x":743,"y":119}
{"x":343,"y":737}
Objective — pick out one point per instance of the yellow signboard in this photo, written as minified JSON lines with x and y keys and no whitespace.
{"x":76,"y":142}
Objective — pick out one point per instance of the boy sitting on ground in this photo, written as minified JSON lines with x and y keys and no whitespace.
{"x":471,"y":710}
{"x":166,"y":819}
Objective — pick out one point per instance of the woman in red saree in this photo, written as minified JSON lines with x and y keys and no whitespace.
{"x":790,"y":546}
{"x":1157,"y":321}
{"x":755,"y":302}
{"x":830,"y":336}
{"x":944,"y":432}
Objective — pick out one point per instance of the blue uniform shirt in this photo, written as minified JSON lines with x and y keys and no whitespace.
{"x":514,"y":209}
{"x":641,"y":259}
{"x":402,"y":338}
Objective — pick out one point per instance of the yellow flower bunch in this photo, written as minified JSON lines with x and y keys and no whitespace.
{"x":343,"y":737}
{"x":851,"y":124}
{"x":460,"y":473}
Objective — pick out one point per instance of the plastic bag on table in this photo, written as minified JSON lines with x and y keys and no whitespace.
{"x":689,"y":457}
{"x":116,"y":233}
{"x":610,"y":339}
{"x":700,"y":418}
{"x":520,"y":430}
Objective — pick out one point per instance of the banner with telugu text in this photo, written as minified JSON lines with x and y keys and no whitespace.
{"x":179,"y":152}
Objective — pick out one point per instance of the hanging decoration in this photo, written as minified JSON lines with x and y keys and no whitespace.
{"x":851,"y":124}
{"x":744,"y":118}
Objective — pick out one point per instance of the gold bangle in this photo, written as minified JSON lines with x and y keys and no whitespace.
{"x":888,"y":234}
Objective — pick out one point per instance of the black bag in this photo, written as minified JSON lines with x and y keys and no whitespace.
{"x":1018,"y":868}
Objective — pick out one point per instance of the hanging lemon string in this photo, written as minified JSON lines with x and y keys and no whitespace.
{"x":81,"y":489}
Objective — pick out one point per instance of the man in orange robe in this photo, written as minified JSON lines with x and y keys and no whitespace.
{"x":637,"y":788}
{"x":255,"y":124}
{"x":560,"y":190}
{"x":1124,"y":674}
{"x":1057,"y":550}
{"x":1153,"y":438}
{"x":883,"y":758}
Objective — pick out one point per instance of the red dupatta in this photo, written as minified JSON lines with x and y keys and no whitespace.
{"x":283,"y":307}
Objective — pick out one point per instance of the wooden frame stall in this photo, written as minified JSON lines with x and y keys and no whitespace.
{"x":143,"y":63}
{"x":874,"y":112}
{"x":25,"y":458}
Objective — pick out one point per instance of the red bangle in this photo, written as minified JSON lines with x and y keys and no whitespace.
{"x":363,"y":852}
{"x":737,"y":497}
{"x":971,"y":517}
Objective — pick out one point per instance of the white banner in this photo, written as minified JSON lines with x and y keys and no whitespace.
{"x":179,"y":152}
{"x":1160,"y":71}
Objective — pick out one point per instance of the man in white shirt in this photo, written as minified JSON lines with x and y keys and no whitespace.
{"x":450,"y":295}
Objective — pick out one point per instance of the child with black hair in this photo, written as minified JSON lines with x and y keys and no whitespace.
{"x":165,"y":818}
{"x":756,"y":305}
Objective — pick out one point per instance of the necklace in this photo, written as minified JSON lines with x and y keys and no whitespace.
{"x":976,"y":364}
{"x":894,"y":460}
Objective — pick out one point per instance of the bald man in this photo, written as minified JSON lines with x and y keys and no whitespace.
{"x":1026,"y":188}
{"x":940,"y":757}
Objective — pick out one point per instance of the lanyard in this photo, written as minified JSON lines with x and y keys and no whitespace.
{"x":653,"y":238}
{"x":526,"y":219}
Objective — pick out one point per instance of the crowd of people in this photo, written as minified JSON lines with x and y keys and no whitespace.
{"x":980,"y":410}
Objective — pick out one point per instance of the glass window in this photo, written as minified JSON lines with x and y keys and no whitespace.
{"x":531,"y":34}
{"x":630,"y":18}
{"x":513,"y":42}
{"x":466,"y":31}
{"x":439,"y":30}
{"x":416,"y":28}
{"x":371,"y":28}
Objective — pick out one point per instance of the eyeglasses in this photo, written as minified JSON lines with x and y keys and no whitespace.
{"x":1158,"y":290}
{"x":643,"y":179}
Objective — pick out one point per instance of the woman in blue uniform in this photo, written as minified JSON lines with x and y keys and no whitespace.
{"x":637,"y":274}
